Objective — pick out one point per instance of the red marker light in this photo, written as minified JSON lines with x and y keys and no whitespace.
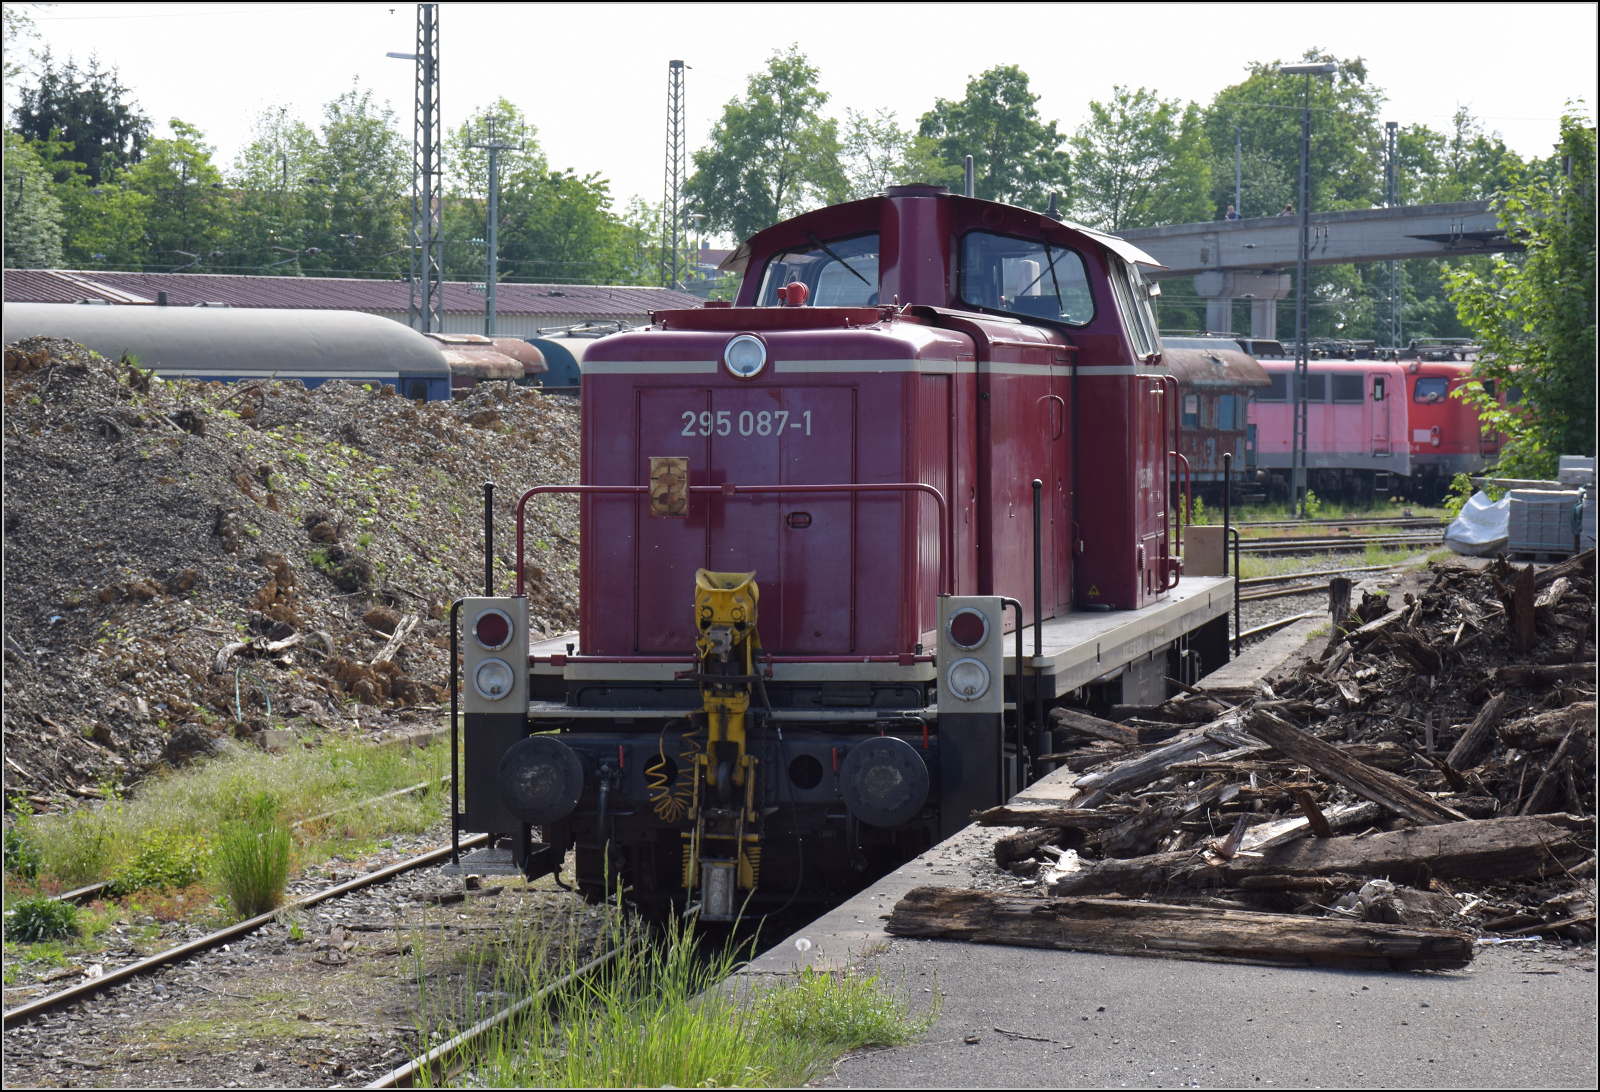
{"x":492,"y":629}
{"x":968,"y":628}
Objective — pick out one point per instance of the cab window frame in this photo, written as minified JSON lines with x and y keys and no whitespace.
{"x":1058,"y":249}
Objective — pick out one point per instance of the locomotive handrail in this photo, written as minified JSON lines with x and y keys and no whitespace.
{"x":728,"y":489}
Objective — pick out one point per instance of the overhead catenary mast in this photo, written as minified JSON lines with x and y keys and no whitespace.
{"x":426,"y":310}
{"x":673,"y":262}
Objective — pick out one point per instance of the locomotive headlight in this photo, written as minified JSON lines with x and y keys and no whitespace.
{"x":745,"y":356}
{"x":494,"y":679}
{"x":968,"y":679}
{"x":492,"y":629}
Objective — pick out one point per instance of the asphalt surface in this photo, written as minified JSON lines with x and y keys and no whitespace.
{"x":1515,"y":1019}
{"x":1522,"y":1015}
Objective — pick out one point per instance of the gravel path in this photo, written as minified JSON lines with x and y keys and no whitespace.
{"x":330,"y":996}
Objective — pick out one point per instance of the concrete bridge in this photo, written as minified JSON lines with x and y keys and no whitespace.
{"x":1253,"y":259}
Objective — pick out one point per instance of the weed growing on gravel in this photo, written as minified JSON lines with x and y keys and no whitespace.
{"x":663,"y":1014}
{"x":80,"y":845}
{"x":172,"y":818}
{"x":41,"y":918}
{"x":162,"y":861}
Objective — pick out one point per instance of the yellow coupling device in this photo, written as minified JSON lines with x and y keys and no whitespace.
{"x":723,"y":851}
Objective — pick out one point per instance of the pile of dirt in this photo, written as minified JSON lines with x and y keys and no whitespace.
{"x":180,"y":554}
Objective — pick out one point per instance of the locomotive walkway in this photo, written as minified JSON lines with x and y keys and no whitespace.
{"x":1522,"y":1014}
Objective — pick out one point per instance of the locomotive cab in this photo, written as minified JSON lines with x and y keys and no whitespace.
{"x":812,"y":522}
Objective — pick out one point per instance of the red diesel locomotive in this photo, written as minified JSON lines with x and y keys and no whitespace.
{"x":812,"y":522}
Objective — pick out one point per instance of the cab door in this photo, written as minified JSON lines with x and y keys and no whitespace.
{"x":1379,"y":402}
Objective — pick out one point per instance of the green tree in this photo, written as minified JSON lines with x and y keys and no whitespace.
{"x":466,"y":186}
{"x":771,"y":155}
{"x":186,"y":219}
{"x":1016,"y":157}
{"x":359,"y":199}
{"x":272,"y":221}
{"x":33,"y":221}
{"x":876,"y":154}
{"x":1140,"y":161}
{"x":1534,"y":314}
{"x":1346,"y":134}
{"x":559,"y":227}
{"x":88,"y":109}
{"x":18,"y":26}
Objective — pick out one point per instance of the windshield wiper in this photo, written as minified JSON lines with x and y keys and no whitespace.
{"x":838,"y":259}
{"x":1050,"y":264}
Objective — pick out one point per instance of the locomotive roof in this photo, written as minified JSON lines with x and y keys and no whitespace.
{"x":202,"y":341}
{"x":863,"y":215}
{"x":1222,"y":365}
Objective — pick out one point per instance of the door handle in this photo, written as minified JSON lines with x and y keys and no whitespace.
{"x":1057,"y":429}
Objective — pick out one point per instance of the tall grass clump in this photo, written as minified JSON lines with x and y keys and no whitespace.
{"x":252,"y":859}
{"x":665,"y":1013}
{"x":82,"y":844}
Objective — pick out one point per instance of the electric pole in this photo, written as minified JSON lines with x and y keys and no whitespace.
{"x":1302,"y":310}
{"x":1391,"y":187}
{"x":426,"y":310}
{"x":494,"y":146}
{"x":677,"y":174}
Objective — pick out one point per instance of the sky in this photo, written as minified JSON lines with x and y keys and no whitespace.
{"x":592,"y":78}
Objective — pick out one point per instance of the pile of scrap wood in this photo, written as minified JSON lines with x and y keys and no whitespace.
{"x":1427,"y":779}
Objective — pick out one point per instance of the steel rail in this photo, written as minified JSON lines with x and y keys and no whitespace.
{"x":1279,"y":593}
{"x":1279,"y":623}
{"x":1260,"y":581}
{"x":434,"y":1065}
{"x":222,"y":936}
{"x":1407,"y":521}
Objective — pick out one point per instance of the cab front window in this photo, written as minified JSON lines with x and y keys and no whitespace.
{"x":836,"y":273}
{"x":1431,"y":390}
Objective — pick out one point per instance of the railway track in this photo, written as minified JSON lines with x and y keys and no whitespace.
{"x":1376,"y":521}
{"x":451,"y":1057}
{"x":1344,"y":542}
{"x":89,"y":987}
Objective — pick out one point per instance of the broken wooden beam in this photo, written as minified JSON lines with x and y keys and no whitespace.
{"x":1475,"y":849}
{"x":1173,"y":932}
{"x":1390,"y":790}
{"x":1464,"y":755}
{"x":1577,"y":565}
{"x":1541,"y":674}
{"x":1545,"y":788}
{"x":1077,"y":720}
{"x":1026,"y":815}
{"x":1549,"y":728}
{"x":1318,"y":822}
{"x":1149,"y":767}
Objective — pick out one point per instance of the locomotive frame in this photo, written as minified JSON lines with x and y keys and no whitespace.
{"x":807,"y":533}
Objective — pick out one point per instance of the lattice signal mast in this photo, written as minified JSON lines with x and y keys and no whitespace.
{"x":673,"y":231}
{"x":426,"y":312}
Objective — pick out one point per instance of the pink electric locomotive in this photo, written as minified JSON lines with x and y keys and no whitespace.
{"x":844,"y":542}
{"x":1374,"y":428}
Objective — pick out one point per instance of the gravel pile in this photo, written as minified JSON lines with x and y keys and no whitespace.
{"x":179,"y":554}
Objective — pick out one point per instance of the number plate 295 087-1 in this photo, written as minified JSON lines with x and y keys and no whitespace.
{"x":746,"y":423}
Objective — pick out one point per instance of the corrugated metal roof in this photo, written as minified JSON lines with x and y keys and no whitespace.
{"x":335,"y":293}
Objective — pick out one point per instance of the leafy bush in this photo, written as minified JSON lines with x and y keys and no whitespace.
{"x":1313,"y":505}
{"x":252,"y":864}
{"x":163,"y":862}
{"x":1461,"y":491}
{"x":41,"y":918}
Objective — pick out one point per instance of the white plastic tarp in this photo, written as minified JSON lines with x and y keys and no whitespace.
{"x":1482,"y":528}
